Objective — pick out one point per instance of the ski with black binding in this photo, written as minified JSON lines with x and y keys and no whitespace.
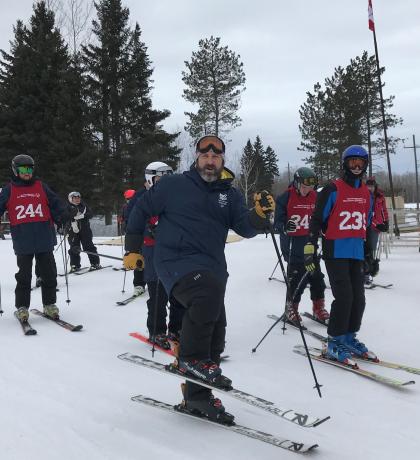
{"x":379,"y":362}
{"x":26,"y":327}
{"x":144,"y":339}
{"x":284,"y":443}
{"x":286,"y":414}
{"x":60,"y":322}
{"x":90,"y":270}
{"x":129,"y":299}
{"x":314,"y":318}
{"x":317,"y":354}
{"x":73,"y":272}
{"x":375,"y":285}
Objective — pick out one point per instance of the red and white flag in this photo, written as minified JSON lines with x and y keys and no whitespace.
{"x":370,"y":14}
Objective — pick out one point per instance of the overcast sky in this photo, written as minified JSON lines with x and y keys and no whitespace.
{"x":286,"y":47}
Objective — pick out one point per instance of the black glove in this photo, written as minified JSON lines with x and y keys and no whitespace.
{"x":291,"y":226}
{"x":383,"y":227}
{"x":73,"y":211}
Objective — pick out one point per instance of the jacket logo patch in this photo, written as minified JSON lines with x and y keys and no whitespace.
{"x":223,"y":200}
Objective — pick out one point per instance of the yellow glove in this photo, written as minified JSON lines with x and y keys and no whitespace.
{"x":264,"y":203}
{"x":133,"y":260}
{"x":309,"y":257}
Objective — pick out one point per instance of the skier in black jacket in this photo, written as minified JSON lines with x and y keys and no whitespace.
{"x":80,"y":233}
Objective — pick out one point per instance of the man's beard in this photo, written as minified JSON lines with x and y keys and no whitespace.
{"x":209,"y":173}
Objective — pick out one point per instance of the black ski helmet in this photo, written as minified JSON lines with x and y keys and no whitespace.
{"x":305,"y":176}
{"x":22,"y":160}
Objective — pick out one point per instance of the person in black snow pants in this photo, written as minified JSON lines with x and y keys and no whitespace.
{"x":294,"y":209}
{"x":343,"y":212}
{"x":158,"y":298}
{"x":131,"y":196}
{"x":80,"y":233}
{"x":33,"y":209}
{"x":195,"y":210}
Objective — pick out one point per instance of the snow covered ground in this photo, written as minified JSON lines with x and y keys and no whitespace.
{"x":66,"y":396}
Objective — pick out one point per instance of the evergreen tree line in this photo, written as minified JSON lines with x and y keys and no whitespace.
{"x":344,"y":111}
{"x":258,"y":169}
{"x":85,"y":115}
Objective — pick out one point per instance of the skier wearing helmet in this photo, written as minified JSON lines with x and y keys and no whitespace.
{"x":343,"y":211}
{"x":294,"y":209}
{"x":33,"y":209}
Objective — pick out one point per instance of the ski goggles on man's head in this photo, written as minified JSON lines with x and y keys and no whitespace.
{"x":309,"y":181}
{"x":207,"y":143}
{"x":356,"y":162}
{"x":25,"y":169}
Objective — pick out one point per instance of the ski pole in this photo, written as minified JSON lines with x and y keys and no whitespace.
{"x":122,"y":255}
{"x":317,"y":385}
{"x":1,"y":310}
{"x":65,"y":260}
{"x":271,"y":277}
{"x":288,"y":285}
{"x":100,"y":255}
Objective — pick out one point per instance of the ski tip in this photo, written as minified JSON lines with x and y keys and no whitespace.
{"x":31,"y":332}
{"x":322,"y":420}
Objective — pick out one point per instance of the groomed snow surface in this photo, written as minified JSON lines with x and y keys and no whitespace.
{"x":66,"y":396}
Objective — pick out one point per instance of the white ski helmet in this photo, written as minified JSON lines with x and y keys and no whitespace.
{"x":72,"y":195}
{"x":157,"y":168}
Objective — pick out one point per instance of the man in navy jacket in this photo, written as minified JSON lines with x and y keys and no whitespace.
{"x":196,"y":209}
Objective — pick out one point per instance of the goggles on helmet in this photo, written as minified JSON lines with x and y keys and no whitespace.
{"x":309,"y":181}
{"x":208,"y":143}
{"x":154,"y":172}
{"x":25,"y":169}
{"x":356,"y":162}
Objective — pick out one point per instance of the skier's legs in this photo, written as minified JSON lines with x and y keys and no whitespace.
{"x":156,"y":307}
{"x":48,"y":272}
{"x":296,"y":272}
{"x":176,"y":313}
{"x":87,"y":245}
{"x":23,"y":278}
{"x":74,"y":251}
{"x":359,"y":301}
{"x":340,"y":280}
{"x":138,"y":279}
{"x":317,"y":285}
{"x":203,"y":324}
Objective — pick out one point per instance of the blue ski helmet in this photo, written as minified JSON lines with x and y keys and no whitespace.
{"x":355,"y":151}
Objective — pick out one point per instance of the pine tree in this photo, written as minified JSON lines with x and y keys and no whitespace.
{"x":346,"y":112}
{"x":215,"y":80}
{"x":118,"y":72}
{"x":249,"y":173}
{"x":36,"y":107}
{"x":271,"y":168}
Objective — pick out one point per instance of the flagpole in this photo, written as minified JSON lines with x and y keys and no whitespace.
{"x":378,"y":69}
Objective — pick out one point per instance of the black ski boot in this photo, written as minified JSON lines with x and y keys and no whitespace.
{"x":210,"y":408}
{"x":161,"y":340}
{"x":205,"y":370}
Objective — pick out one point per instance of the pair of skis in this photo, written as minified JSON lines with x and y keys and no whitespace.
{"x":318,"y":355}
{"x":300,"y":419}
{"x":84,"y":270}
{"x":29,"y":330}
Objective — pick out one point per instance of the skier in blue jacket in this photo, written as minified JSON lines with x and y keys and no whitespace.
{"x":196,"y":209}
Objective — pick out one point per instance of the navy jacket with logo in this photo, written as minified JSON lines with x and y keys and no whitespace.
{"x":194,"y":219}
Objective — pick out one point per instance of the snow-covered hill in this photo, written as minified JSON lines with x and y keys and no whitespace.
{"x":66,"y":395}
